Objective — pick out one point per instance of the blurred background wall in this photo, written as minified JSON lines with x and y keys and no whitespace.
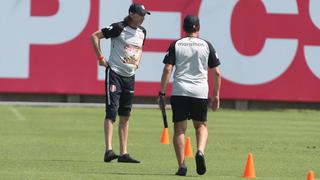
{"x":269,"y":49}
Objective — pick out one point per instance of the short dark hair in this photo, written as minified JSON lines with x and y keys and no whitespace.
{"x":191,"y":24}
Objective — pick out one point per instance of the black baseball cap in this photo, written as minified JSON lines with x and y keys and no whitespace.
{"x":139,"y":9}
{"x":191,"y":23}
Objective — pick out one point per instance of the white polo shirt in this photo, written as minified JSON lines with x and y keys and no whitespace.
{"x":191,"y":58}
{"x":126,"y":47}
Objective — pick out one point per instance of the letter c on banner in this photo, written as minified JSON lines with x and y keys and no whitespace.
{"x":274,"y":58}
{"x":312,"y":53}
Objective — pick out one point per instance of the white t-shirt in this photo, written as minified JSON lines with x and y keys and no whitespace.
{"x":126,"y":47}
{"x":191,"y":58}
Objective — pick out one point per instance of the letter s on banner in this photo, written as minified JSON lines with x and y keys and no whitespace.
{"x":19,"y":29}
{"x":274,"y":58}
{"x":312,"y":53}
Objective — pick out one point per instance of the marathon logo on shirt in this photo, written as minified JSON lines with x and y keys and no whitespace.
{"x":190,"y":44}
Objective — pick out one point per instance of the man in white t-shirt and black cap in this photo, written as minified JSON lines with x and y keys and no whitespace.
{"x":127,"y":39}
{"x":191,"y":57}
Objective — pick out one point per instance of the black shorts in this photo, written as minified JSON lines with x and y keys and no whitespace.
{"x":184,"y":108}
{"x":119,"y":94}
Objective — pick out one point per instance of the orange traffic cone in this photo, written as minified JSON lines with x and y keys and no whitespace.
{"x":310,"y":175}
{"x":188,"y":148}
{"x":165,"y":136}
{"x":249,"y":172}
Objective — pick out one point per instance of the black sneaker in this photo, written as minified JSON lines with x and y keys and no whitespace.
{"x":126,"y":158}
{"x":200,"y":163}
{"x":182,"y":171}
{"x":109,"y":155}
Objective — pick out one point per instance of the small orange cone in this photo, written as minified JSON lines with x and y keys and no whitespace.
{"x":165,"y":136}
{"x":249,"y":172}
{"x":310,"y":175}
{"x":188,"y":148}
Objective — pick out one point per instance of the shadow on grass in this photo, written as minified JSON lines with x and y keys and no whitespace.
{"x":142,"y":174}
{"x":63,"y":160}
{"x":112,"y":173}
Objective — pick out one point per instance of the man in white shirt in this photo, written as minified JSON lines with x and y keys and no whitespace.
{"x":127,"y":39}
{"x":191,"y":57}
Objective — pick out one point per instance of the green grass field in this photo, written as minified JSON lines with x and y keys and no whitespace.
{"x":67,"y":143}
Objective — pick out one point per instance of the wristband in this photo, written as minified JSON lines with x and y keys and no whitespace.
{"x":162,"y":93}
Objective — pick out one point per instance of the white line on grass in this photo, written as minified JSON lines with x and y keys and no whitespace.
{"x":17,"y":113}
{"x":66,"y":104}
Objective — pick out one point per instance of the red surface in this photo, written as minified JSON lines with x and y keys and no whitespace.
{"x":71,"y":68}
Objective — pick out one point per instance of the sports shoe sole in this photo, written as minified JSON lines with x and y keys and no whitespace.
{"x":121,"y":161}
{"x":201,"y":165}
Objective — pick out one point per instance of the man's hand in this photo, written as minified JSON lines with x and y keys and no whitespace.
{"x":162,"y":106}
{"x":215,"y":103}
{"x":162,"y":101}
{"x":103,"y":62}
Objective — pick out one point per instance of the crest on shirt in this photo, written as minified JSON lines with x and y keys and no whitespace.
{"x":113,"y":88}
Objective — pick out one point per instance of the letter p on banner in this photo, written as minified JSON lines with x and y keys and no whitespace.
{"x":19,"y":29}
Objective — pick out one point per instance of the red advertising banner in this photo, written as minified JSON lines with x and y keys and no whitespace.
{"x":269,"y":50}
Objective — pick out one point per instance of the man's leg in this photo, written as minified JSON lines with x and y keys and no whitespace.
{"x":112,"y":89}
{"x":108,"y":130}
{"x":123,"y":140}
{"x":202,"y":137}
{"x":180,"y":114}
{"x":123,"y":134}
{"x":109,"y":155}
{"x":178,"y":141}
{"x":201,"y":134}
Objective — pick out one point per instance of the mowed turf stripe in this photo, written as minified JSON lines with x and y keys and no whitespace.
{"x":67,"y":143}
